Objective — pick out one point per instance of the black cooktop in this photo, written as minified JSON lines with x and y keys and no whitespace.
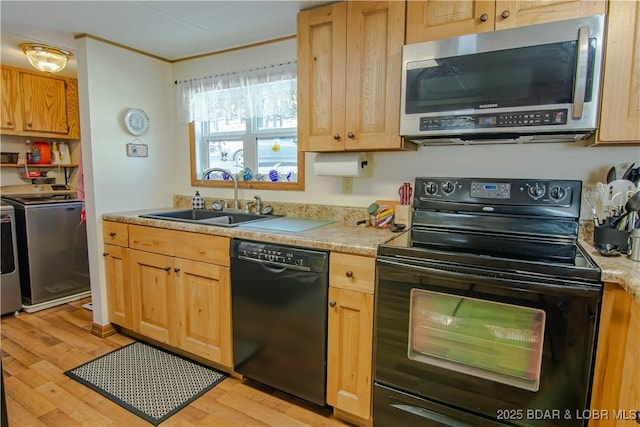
{"x":561,"y":259}
{"x":519,"y":226}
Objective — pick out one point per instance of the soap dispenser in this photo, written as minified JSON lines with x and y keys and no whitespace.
{"x":197,"y":202}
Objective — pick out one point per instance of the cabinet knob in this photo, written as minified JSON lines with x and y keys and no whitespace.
{"x":505,"y":14}
{"x":112,"y":234}
{"x":336,"y":136}
{"x":10,"y":124}
{"x":177,"y":270}
{"x":349,"y":273}
{"x":105,"y":253}
{"x":332,"y":303}
{"x":29,"y":125}
{"x":351,"y":135}
{"x":638,"y":416}
{"x":167,"y":269}
{"x":484,"y":17}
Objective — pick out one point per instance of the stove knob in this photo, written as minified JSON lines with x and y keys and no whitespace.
{"x":430,"y":188}
{"x":448,"y":187}
{"x":536,"y":191}
{"x":557,"y":193}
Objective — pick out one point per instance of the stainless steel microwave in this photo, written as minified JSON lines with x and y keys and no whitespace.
{"x":539,"y":83}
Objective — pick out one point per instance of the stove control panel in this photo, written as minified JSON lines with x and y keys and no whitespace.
{"x":490,"y":193}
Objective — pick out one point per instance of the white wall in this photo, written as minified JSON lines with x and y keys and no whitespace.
{"x":111,"y":80}
{"x":389,"y":170}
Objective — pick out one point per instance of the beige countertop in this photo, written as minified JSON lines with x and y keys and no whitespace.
{"x":336,"y":236}
{"x":618,"y":269}
{"x":361,"y":240}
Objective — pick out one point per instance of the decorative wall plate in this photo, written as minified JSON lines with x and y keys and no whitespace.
{"x":136,"y":122}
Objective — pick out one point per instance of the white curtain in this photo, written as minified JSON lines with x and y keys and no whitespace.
{"x":224,"y":98}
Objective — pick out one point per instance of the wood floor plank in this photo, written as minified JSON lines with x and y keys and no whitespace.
{"x":38,"y":347}
{"x":24,"y":395}
{"x":73,"y":407}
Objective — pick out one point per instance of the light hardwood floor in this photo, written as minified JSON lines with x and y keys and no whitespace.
{"x":38,"y":347}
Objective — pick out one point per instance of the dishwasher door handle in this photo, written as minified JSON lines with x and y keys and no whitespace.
{"x":274,"y":265}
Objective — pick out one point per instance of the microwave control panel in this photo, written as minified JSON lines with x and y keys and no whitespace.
{"x":495,"y":120}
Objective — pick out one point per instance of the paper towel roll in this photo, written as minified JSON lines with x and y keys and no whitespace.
{"x":340,"y":164}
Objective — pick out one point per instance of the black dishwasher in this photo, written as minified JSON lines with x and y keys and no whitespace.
{"x":279,"y":312}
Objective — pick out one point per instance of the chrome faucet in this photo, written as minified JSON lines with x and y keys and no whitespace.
{"x":258,"y":203}
{"x":233,"y":178}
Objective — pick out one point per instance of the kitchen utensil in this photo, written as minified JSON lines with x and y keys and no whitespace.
{"x":607,"y":249}
{"x":634,"y":245}
{"x":591,"y":196}
{"x":626,"y":173}
{"x":632,"y":205}
{"x":405,"y":193}
{"x":611,"y":175}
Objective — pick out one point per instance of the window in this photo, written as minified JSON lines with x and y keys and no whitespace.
{"x":246,"y":124}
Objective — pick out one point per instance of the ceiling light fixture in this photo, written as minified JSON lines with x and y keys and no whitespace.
{"x":46,"y":58}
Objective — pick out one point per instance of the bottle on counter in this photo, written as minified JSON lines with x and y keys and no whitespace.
{"x":197,"y":202}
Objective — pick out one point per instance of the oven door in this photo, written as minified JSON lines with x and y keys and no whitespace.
{"x":511,"y":348}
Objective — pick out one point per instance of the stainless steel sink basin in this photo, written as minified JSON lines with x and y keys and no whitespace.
{"x":224,"y":218}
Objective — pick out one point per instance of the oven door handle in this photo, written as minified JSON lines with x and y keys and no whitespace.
{"x":430,"y":415}
{"x":564,"y":287}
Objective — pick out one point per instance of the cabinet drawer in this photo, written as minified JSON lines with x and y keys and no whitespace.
{"x":115,"y":233}
{"x":352,"y":272}
{"x":152,"y":239}
{"x":202,"y":247}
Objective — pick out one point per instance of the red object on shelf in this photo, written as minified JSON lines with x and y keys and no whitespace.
{"x":43,"y":149}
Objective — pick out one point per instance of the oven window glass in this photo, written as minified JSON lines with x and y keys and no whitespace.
{"x":491,"y":340}
{"x":535,"y":75}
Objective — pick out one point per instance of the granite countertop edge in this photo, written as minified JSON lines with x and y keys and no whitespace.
{"x":619,"y":269}
{"x":336,"y":236}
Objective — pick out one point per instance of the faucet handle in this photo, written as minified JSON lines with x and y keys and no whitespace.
{"x":249,"y":205}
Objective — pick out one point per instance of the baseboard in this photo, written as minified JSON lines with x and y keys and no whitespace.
{"x":103,"y":331}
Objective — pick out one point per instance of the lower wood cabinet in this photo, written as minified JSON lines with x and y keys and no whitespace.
{"x":616,"y":383}
{"x":203,"y":294}
{"x":172,"y":287}
{"x":350,"y":335}
{"x":116,"y":265}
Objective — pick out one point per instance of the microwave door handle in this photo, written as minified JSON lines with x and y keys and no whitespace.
{"x":582,"y":62}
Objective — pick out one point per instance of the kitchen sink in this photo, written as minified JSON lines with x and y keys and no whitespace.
{"x":224,"y":218}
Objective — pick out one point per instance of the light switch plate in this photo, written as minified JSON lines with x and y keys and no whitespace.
{"x":137,"y":150}
{"x":347,"y":185}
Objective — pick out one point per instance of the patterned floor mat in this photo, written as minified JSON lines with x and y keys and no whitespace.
{"x":147,"y":381}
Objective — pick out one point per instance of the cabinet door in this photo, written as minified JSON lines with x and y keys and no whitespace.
{"x":440,"y":19}
{"x":44,"y":104}
{"x":350,"y":351}
{"x":204,"y":304}
{"x":322,"y":78}
{"x":630,"y":388}
{"x":375,"y":35}
{"x":154,"y":296}
{"x":620,"y":116}
{"x":518,"y":13}
{"x":116,"y":264}
{"x":11,"y":119}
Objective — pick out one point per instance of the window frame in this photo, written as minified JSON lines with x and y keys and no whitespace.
{"x":196,"y":134}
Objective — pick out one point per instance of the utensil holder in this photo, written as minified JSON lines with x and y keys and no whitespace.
{"x":619,"y":238}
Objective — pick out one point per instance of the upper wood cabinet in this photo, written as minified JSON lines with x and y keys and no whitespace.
{"x":439,"y":19}
{"x":620,"y":106}
{"x":39,"y":105}
{"x":349,"y":64}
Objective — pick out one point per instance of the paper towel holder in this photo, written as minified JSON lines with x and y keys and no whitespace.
{"x":340,"y":164}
